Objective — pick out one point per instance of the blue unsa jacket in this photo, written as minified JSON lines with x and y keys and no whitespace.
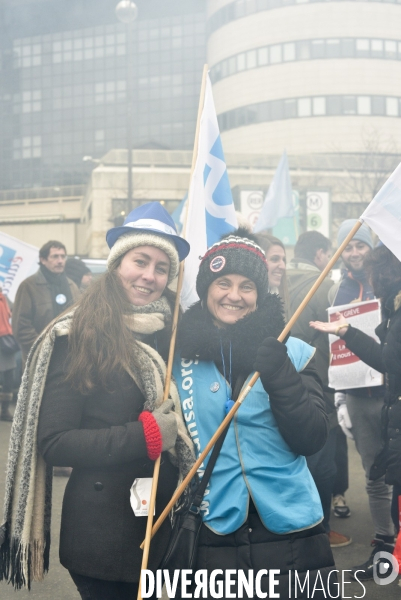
{"x":255,"y":460}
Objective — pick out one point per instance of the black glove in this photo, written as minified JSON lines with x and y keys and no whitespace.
{"x":271,"y":358}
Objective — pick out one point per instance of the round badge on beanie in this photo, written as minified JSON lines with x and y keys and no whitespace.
{"x":233,"y":255}
{"x":148,"y":225}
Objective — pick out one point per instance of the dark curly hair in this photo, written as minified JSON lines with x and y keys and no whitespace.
{"x":384,"y":270}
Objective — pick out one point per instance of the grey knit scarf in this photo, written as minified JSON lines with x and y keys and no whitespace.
{"x":25,"y":533}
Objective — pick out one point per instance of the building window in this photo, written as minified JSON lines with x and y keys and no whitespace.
{"x":318,"y":49}
{"x":303,"y":50}
{"x":304,"y":107}
{"x":241,"y":63}
{"x":390,"y":48}
{"x":27,"y":147}
{"x":333,"y":49}
{"x":289,"y":51}
{"x":306,"y":50}
{"x":31,"y":101}
{"x":289,"y":108}
{"x":110,"y":91}
{"x":319,"y":106}
{"x":349,"y":105}
{"x":275,"y":54}
{"x":364,"y":105}
{"x":378,"y":105}
{"x":89,"y":47}
{"x":99,"y":139}
{"x":240,"y":8}
{"x":251,"y":59}
{"x":27,"y":55}
{"x":263,"y":56}
{"x":362,"y":48}
{"x":392,"y":107}
{"x":377,"y":48}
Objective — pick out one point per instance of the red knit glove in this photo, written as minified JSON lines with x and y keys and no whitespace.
{"x":153,"y":436}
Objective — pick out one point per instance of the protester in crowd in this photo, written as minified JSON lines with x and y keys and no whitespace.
{"x":312,"y":253}
{"x":7,"y":361}
{"x":102,"y":414}
{"x":359,"y":409}
{"x":354,"y":288}
{"x":43,"y":296}
{"x":276,"y":263}
{"x":79,"y":273}
{"x":384,"y":270}
{"x":263,"y":508}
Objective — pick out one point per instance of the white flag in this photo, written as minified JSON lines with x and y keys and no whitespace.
{"x":278,"y":202}
{"x":383,"y":214}
{"x":211,"y":212}
{"x":18,"y":261}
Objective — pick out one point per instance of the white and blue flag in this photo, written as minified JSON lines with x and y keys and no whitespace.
{"x":278,"y":202}
{"x":179,"y":213}
{"x":383,"y":214}
{"x":211,"y":212}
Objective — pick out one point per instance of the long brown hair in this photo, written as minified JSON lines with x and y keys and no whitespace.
{"x":100,"y":343}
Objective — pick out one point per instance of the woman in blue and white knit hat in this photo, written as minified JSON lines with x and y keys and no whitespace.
{"x":97,"y":375}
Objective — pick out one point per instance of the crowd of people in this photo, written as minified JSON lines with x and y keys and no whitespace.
{"x":90,"y":404}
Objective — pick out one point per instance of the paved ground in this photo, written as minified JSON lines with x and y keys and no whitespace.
{"x":58,"y":586}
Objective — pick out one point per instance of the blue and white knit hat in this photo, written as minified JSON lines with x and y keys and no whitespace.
{"x":148,"y":225}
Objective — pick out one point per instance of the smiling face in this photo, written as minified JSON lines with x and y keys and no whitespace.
{"x":276,"y":261}
{"x":354,"y":255}
{"x":230,"y":298}
{"x":144,"y":274}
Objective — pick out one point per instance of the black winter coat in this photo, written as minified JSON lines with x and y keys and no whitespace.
{"x":298,"y":407}
{"x":100,"y":437}
{"x":385,"y":358}
{"x":301,"y":275}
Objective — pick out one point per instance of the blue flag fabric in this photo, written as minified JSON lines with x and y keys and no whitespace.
{"x":211,"y":212}
{"x":278,"y":202}
{"x":178,"y":214}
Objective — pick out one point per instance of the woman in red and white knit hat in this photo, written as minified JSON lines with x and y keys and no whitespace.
{"x":261,"y":510}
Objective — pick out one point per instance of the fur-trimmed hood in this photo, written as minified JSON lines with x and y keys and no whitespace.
{"x":198,"y":337}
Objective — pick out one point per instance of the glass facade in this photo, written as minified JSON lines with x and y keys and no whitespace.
{"x":314,"y":106}
{"x":64,"y":88}
{"x":306,"y":50}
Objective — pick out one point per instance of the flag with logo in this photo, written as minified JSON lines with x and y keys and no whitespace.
{"x":211,"y":212}
{"x":383,"y":214}
{"x":278,"y":203}
{"x":18,"y":261}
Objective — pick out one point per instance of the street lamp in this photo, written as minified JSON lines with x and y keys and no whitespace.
{"x":126,"y":12}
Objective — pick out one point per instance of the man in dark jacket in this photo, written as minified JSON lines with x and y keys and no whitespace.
{"x":363,"y":405}
{"x":312,"y":252}
{"x":79,"y":273}
{"x":43,"y":296}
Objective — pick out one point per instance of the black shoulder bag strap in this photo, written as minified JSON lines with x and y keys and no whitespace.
{"x":181,"y":552}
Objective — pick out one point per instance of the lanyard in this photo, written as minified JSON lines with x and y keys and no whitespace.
{"x":229,"y":401}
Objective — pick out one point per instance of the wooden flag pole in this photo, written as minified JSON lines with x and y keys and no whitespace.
{"x":156,"y":470}
{"x":176,"y":496}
